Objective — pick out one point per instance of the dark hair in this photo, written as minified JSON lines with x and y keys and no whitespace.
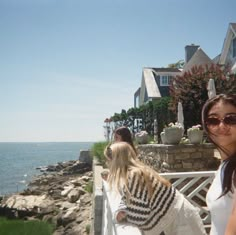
{"x":126,"y":135}
{"x":229,"y":164}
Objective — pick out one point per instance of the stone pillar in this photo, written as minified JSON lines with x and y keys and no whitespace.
{"x":85,"y":156}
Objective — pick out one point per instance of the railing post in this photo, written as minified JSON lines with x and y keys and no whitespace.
{"x":110,"y":204}
{"x":96,"y":228}
{"x":107,"y":222}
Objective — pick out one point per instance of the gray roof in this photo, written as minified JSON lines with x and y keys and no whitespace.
{"x":151,"y":86}
{"x":166,"y":70}
{"x":233,"y":25}
{"x":198,"y":58}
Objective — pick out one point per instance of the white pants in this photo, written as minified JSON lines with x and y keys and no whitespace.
{"x":188,"y":222}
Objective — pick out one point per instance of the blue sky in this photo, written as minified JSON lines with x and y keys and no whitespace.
{"x":66,"y":65}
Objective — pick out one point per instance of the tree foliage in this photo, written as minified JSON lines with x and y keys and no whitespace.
{"x":179,"y":64}
{"x":191,"y":90}
{"x":142,"y":118}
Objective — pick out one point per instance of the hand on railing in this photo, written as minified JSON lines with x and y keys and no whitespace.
{"x":104,"y":175}
{"x":121,"y":216}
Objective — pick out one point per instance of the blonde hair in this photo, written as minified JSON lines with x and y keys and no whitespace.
{"x":124,"y":163}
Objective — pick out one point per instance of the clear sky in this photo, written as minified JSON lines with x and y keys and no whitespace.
{"x":66,"y":65}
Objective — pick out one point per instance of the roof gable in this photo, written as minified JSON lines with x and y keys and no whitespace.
{"x":198,"y":58}
{"x":233,"y":27}
{"x":150,"y":83}
{"x":231,"y":32}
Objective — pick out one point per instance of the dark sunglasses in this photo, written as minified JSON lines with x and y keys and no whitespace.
{"x":227,"y":120}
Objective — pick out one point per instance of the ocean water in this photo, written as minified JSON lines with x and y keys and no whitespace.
{"x":18,"y":161}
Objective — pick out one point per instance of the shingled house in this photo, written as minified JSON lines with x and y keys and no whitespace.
{"x":155,"y":81}
{"x":154,"y":85}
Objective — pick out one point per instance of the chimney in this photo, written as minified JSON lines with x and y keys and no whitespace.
{"x":189,"y":52}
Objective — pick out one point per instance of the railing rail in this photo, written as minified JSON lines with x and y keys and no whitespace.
{"x":193,"y":185}
{"x":110,"y":204}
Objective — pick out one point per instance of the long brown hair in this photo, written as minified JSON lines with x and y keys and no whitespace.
{"x":229,"y":165}
{"x":126,"y":135}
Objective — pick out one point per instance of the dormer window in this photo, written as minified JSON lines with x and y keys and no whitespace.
{"x":234,"y":47}
{"x":165,"y":80}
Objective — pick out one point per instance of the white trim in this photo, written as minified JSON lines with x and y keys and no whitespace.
{"x":167,"y":79}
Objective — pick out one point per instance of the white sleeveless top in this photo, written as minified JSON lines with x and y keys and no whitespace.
{"x":220,"y":208}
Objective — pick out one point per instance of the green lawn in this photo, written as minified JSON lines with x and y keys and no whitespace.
{"x":22,"y":227}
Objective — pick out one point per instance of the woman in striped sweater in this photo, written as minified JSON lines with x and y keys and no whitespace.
{"x":148,"y":200}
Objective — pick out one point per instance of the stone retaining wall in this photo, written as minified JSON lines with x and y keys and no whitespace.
{"x":179,"y":158}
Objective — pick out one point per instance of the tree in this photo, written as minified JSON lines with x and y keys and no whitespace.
{"x":120,"y":119}
{"x":162,"y":113}
{"x":179,"y":64}
{"x":191,"y":90}
{"x":142,"y":118}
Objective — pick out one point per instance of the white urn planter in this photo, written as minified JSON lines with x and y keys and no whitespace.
{"x":163,"y":138}
{"x":173,"y":135}
{"x":141,"y":137}
{"x":195,"y":136}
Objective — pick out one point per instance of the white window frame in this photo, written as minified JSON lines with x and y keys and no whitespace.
{"x":165,"y":80}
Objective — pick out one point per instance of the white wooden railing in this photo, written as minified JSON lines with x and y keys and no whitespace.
{"x":193,"y":185}
{"x":111,"y":202}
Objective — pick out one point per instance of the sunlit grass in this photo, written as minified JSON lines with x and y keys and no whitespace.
{"x":24,"y":227}
{"x":97,"y":151}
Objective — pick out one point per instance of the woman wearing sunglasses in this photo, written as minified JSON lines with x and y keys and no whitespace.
{"x":148,"y":200}
{"x":219,"y":122}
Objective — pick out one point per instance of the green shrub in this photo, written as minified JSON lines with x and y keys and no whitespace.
{"x":88,"y":228}
{"x":89,"y":187}
{"x":24,"y":227}
{"x":98,"y":151}
{"x":150,"y":139}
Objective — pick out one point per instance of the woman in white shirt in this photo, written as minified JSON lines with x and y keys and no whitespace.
{"x":219,"y":122}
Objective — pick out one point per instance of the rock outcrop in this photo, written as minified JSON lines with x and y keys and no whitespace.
{"x":60,"y":196}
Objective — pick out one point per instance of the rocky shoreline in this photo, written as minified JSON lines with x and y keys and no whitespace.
{"x":59,"y":195}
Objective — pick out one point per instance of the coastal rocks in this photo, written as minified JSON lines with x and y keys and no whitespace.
{"x":73,"y":195}
{"x":71,"y":167}
{"x":29,"y":203}
{"x":58,"y":196}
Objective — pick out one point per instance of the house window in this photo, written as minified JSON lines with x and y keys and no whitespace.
{"x":234,"y":47}
{"x":165,"y":80}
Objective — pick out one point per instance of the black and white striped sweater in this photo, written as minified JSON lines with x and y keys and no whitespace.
{"x":155,"y":214}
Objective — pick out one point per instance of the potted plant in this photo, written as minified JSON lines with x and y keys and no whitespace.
{"x":141,"y":137}
{"x":163,"y":138}
{"x":172,"y":134}
{"x":195,"y":134}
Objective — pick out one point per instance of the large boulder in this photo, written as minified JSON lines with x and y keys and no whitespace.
{"x":58,"y":197}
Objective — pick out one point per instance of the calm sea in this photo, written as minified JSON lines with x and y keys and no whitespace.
{"x":18,"y":161}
